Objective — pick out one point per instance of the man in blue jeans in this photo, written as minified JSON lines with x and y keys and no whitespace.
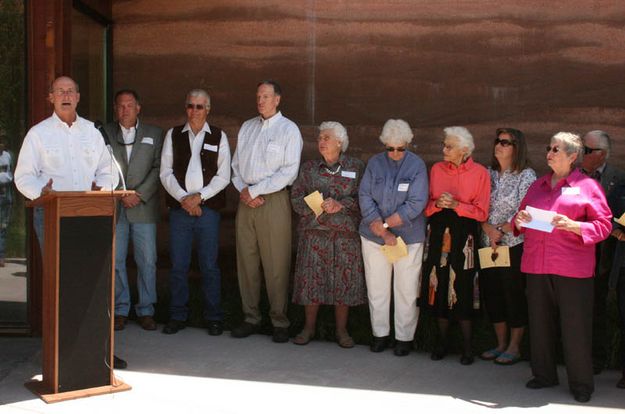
{"x":195,"y":169}
{"x":137,"y":148}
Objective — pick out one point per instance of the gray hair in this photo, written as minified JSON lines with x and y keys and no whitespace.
{"x":51,"y":89}
{"x":340,"y":133}
{"x":201,"y":93}
{"x":396,"y":132}
{"x":604,"y":140}
{"x":465,"y":139}
{"x":572,"y":143}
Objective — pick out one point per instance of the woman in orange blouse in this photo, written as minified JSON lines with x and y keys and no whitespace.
{"x":459,"y":198}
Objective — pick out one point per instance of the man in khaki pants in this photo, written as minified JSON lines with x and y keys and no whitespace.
{"x":265,"y":162}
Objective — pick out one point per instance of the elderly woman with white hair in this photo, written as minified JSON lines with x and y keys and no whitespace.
{"x":393,"y":194}
{"x":458,"y":201}
{"x":559,"y":263}
{"x":329,"y":268}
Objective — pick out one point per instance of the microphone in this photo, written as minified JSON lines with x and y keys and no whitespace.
{"x":98,"y":125}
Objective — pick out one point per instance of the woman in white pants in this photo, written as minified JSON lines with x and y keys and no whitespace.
{"x":392,"y":195}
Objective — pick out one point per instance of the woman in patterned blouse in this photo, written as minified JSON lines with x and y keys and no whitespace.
{"x":329,"y":268}
{"x":503,"y":288}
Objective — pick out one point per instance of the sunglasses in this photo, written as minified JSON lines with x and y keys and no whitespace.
{"x":553,"y":149}
{"x":398,"y":149}
{"x":503,"y":142}
{"x":588,"y":150}
{"x":199,"y":107}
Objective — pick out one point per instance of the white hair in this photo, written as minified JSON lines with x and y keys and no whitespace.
{"x":201,"y":93}
{"x":465,"y":139}
{"x":571,"y":142}
{"x":396,"y":132}
{"x":340,"y":133}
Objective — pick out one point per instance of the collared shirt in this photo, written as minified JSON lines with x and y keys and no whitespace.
{"x":73,"y":157}
{"x":267,"y":156}
{"x":390,"y":187}
{"x":468,"y":183}
{"x":506,"y":192}
{"x":128,"y":135}
{"x":562,"y":252}
{"x":6,"y":177}
{"x":194,"y":179}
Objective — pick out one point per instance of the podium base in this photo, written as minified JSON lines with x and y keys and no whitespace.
{"x":37,"y":387}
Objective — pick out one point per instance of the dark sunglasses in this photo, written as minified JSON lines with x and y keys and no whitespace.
{"x":503,"y":142}
{"x":199,"y":107}
{"x":554,"y":149}
{"x":588,"y":150}
{"x":398,"y":149}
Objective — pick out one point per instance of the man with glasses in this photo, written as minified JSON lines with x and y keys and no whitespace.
{"x":63,"y":153}
{"x":597,"y":146}
{"x":137,"y":148}
{"x":195,"y":169}
{"x":265,"y":163}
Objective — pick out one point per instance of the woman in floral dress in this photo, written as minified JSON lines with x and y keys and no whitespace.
{"x":329,"y":268}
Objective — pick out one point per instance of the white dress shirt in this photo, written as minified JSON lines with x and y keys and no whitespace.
{"x":194,"y":179}
{"x":267,"y":156}
{"x":73,"y":157}
{"x":128,"y":135}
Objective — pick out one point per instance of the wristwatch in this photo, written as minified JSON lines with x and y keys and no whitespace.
{"x":385,"y":225}
{"x":500,"y":229}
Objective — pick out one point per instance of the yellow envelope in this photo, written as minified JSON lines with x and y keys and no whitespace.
{"x":502,"y":260}
{"x":620,"y":220}
{"x":314,"y":201}
{"x":394,"y":253}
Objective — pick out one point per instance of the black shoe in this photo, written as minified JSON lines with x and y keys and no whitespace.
{"x":280,"y":335}
{"x":402,"y":348}
{"x":244,"y":330}
{"x":581,"y":396}
{"x":215,"y":328}
{"x":379,"y":343}
{"x":466,"y":359}
{"x":621,"y":383}
{"x":438,"y":353}
{"x":119,"y":363}
{"x":536,"y":384}
{"x":173,"y":326}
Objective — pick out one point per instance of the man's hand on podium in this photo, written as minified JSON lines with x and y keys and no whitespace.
{"x":47,"y":189}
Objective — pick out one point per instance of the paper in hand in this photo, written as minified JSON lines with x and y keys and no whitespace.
{"x":494,"y":258}
{"x":541,"y":219}
{"x":394,"y":253}
{"x":314,"y":201}
{"x":620,"y":220}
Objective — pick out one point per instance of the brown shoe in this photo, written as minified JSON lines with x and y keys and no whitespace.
{"x":147,"y":323}
{"x":120,"y":322}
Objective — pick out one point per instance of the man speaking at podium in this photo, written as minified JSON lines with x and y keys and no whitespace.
{"x":63,"y":153}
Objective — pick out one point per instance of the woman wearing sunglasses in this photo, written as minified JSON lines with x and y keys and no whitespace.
{"x":392,"y":195}
{"x":559,"y":265}
{"x":458,"y":202}
{"x":503,"y":288}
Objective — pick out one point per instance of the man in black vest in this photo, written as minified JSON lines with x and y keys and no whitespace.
{"x":195,"y":169}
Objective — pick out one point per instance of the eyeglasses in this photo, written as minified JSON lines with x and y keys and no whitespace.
{"x":553,"y":149}
{"x":503,"y":142}
{"x":199,"y":107}
{"x":398,"y":149}
{"x":588,"y":150}
{"x":61,"y":92}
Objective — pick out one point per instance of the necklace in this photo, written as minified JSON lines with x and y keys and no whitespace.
{"x":335,"y":172}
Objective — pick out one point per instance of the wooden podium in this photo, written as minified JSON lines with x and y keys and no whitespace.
{"x":78,"y":295}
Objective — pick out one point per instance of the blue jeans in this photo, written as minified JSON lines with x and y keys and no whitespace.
{"x":144,"y":243}
{"x":183,"y":229}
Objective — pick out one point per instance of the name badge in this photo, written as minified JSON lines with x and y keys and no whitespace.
{"x":403,"y":187}
{"x":147,"y":140}
{"x":348,"y":174}
{"x":273,"y":148}
{"x":210,"y":147}
{"x":570,"y":191}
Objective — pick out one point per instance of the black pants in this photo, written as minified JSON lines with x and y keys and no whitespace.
{"x":568,"y":302}
{"x":620,"y":301}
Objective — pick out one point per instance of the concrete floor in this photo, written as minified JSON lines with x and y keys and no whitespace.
{"x":192,"y":372}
